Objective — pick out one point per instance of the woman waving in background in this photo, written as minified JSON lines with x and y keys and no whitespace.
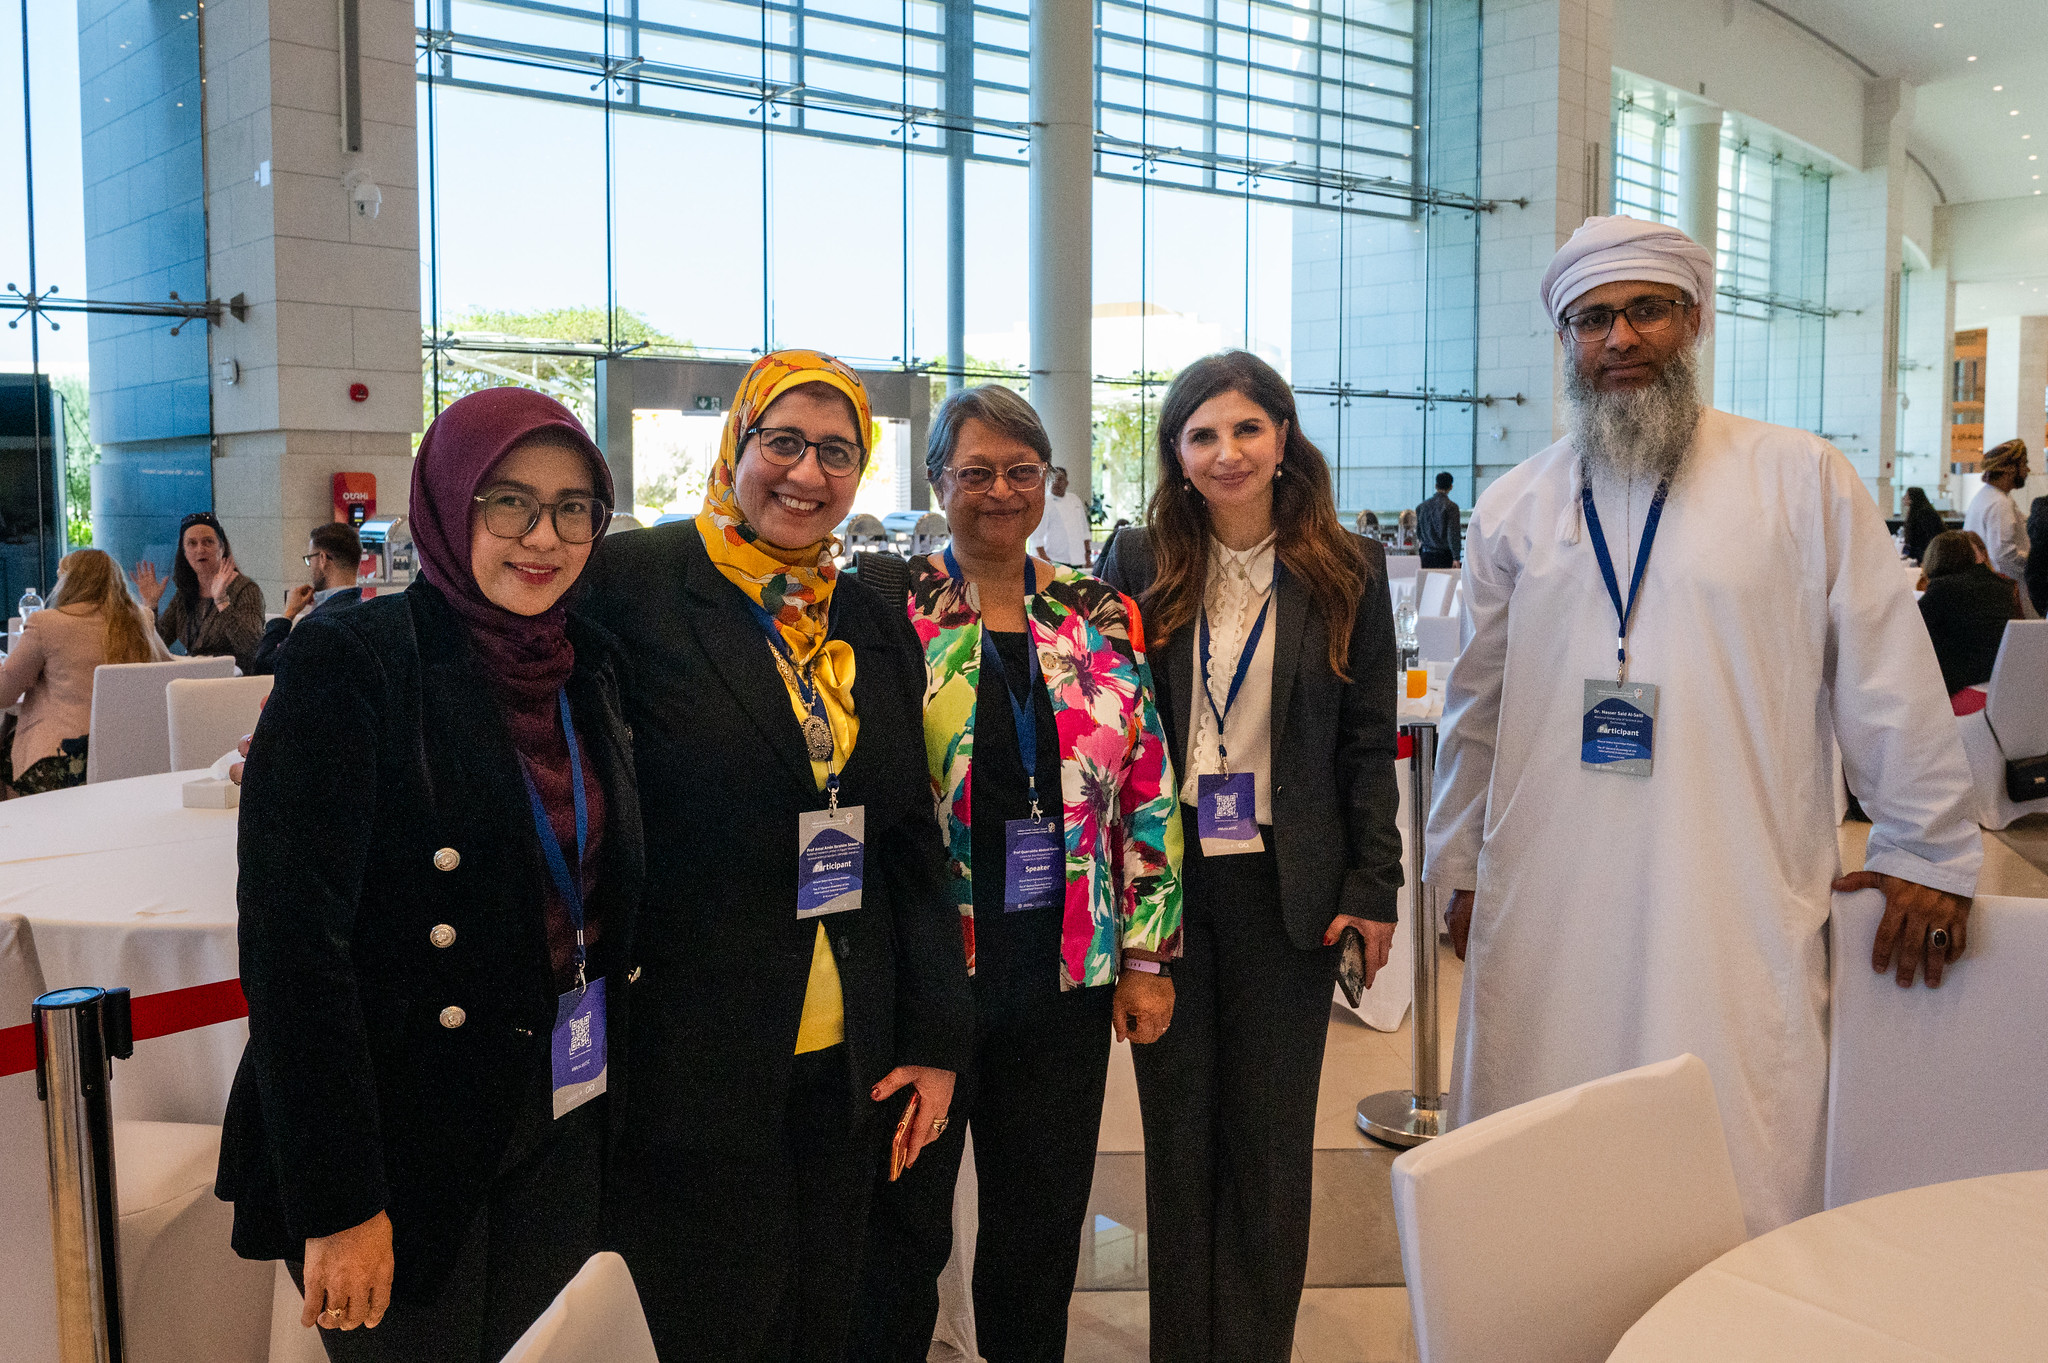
{"x":1049,"y":766}
{"x":213,"y":610}
{"x":435,"y":966}
{"x":786,"y":999}
{"x":1273,"y":646}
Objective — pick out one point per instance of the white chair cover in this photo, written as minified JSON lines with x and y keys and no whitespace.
{"x":1403,"y":567}
{"x":130,"y":724}
{"x":1541,"y":1233}
{"x":2013,"y":722}
{"x":1439,"y":638}
{"x":207,"y":718}
{"x":290,"y":1341}
{"x":28,"y":1312}
{"x":1932,"y":1085}
{"x":596,"y":1319}
{"x":1436,"y":591}
{"x":185,"y":1291}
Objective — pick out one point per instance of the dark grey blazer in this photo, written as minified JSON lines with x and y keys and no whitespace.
{"x":1334,"y":793}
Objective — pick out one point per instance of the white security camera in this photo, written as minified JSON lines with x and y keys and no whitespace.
{"x":363,"y":193}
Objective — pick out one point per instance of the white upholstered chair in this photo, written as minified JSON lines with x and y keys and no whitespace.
{"x":595,"y":1319}
{"x":130,"y":723}
{"x":1403,"y":567}
{"x":174,"y":1232}
{"x":1542,"y":1233}
{"x":1931,"y":1085}
{"x":2013,"y":722}
{"x":209,"y":716}
{"x":1439,"y":638}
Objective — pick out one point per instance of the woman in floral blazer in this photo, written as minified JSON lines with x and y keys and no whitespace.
{"x":1066,"y":866}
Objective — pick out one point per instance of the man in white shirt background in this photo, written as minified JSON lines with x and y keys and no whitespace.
{"x":1063,"y":534}
{"x":1640,"y":848}
{"x":1996,"y":518}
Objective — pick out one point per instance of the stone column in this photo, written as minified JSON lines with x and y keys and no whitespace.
{"x":1545,"y":107}
{"x":324,"y":244}
{"x":1699,"y":200}
{"x":1062,"y":231}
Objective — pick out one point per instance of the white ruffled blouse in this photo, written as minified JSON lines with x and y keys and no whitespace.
{"x":1240,"y":583}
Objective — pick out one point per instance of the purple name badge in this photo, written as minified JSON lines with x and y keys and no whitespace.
{"x":1226,"y":807}
{"x":578,"y":1047}
{"x":1035,"y":864}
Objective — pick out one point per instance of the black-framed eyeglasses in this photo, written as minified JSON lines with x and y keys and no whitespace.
{"x":980,"y":478}
{"x":1647,"y":316}
{"x":307,"y":559}
{"x":511,"y":515}
{"x":784,"y":446}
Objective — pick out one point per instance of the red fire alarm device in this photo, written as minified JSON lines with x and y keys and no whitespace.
{"x":359,"y":392}
{"x":355,"y":497}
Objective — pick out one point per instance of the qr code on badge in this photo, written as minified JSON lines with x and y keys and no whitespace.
{"x":579,"y":1034}
{"x":1226,"y":806}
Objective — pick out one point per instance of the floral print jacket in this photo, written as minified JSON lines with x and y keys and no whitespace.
{"x":1123,"y":831}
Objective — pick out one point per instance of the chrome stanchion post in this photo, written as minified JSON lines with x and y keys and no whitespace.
{"x":79,"y":1034}
{"x":1411,"y":1116}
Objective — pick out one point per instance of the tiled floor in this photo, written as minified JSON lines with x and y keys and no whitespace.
{"x":1355,"y":1309}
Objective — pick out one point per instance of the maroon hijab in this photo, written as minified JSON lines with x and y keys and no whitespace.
{"x":525,"y":658}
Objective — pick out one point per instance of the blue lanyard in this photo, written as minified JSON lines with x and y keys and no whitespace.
{"x":1244,"y":667}
{"x":568,"y":886}
{"x":807,"y":689}
{"x":1025,"y":713}
{"x":1623,"y":612}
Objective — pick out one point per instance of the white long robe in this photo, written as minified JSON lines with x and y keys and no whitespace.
{"x":1624,"y":920}
{"x":1996,"y":519}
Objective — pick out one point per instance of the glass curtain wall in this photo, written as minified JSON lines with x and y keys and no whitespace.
{"x":714,"y":178}
{"x":1770,"y":317}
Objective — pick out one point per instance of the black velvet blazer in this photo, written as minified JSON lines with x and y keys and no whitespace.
{"x":382,"y":752}
{"x":723,"y":776}
{"x":1334,"y":794}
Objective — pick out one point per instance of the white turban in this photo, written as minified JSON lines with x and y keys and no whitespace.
{"x":1604,"y":250}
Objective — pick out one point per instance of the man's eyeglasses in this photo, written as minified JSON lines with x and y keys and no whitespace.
{"x":784,"y":447}
{"x":979,"y":478}
{"x":510,"y":515}
{"x":1647,"y":316}
{"x":307,"y":559}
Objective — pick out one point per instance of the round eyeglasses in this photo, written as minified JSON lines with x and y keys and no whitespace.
{"x":511,"y":515}
{"x":1647,"y":316}
{"x":784,"y":447}
{"x":980,"y":478}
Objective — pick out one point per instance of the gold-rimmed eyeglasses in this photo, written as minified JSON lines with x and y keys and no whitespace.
{"x":980,"y":478}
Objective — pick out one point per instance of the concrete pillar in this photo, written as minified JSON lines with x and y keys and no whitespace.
{"x":1866,"y":231}
{"x":332,"y":287}
{"x":1699,"y":201}
{"x":1062,"y":231}
{"x":1545,"y":117}
{"x":2015,"y":382}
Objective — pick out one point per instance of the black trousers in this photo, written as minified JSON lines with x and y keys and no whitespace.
{"x":1436,"y":558}
{"x":754,"y":1258}
{"x":539,"y":1226}
{"x":1228,"y":1098}
{"x":1033,"y":1096}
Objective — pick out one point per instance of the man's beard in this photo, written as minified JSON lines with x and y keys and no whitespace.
{"x":1639,"y":432}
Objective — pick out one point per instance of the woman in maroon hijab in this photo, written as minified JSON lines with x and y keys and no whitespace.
{"x":440,"y":854}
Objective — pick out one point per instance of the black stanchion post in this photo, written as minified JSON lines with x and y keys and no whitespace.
{"x":1411,"y":1116}
{"x":79,"y":1034}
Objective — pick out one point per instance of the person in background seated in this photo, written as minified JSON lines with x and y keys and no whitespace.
{"x":1923,"y":523}
{"x":91,"y":620}
{"x":1369,"y":524}
{"x":215,"y":611}
{"x":1965,"y":606}
{"x":1439,"y":537}
{"x":333,"y":553}
{"x":419,"y":1122}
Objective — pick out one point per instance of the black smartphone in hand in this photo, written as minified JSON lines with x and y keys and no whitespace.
{"x":1351,"y":965}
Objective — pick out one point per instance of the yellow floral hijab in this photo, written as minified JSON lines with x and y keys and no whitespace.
{"x":793,"y":586}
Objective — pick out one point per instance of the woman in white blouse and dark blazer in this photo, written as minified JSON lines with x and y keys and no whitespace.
{"x":1242,"y":532}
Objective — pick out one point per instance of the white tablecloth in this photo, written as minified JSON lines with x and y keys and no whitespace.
{"x":1953,"y":1271}
{"x":122,"y":885}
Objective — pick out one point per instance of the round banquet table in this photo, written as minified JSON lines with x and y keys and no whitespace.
{"x":1952,"y":1271}
{"x":122,"y":885}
